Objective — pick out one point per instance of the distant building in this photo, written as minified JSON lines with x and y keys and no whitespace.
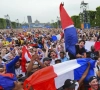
{"x":37,"y":24}
{"x":29,"y":19}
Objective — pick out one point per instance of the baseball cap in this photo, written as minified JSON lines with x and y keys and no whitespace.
{"x":46,"y":59}
{"x":92,"y":78}
{"x":69,"y":84}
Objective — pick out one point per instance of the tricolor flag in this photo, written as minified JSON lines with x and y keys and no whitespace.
{"x":70,"y":33}
{"x":97,"y":46}
{"x":7,"y":81}
{"x":26,"y":56}
{"x":88,"y":45}
{"x":53,"y":77}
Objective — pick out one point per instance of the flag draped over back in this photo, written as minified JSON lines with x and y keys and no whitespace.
{"x":26,"y":56}
{"x":70,"y":34}
{"x":7,"y":81}
{"x":53,"y":77}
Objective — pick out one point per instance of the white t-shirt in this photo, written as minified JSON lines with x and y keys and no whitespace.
{"x":18,"y":72}
{"x":53,"y":61}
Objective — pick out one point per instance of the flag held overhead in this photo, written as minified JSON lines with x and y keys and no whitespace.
{"x":65,"y":19}
{"x":70,"y":34}
{"x":53,"y":77}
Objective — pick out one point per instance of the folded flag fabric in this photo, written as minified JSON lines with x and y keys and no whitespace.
{"x":26,"y":56}
{"x":88,"y":45}
{"x":70,"y":33}
{"x":97,"y":46}
{"x":53,"y":77}
{"x":57,"y":37}
{"x":7,"y":81}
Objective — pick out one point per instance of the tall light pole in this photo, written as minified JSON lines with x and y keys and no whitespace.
{"x":84,"y":15}
{"x":8,"y":18}
{"x":58,"y":21}
{"x":52,"y":23}
{"x":17,"y":21}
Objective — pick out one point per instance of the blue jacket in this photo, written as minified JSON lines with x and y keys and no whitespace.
{"x":10,"y":67}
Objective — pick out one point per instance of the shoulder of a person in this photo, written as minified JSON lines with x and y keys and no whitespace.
{"x":77,"y":46}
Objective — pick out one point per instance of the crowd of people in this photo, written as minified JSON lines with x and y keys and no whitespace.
{"x":44,"y":52}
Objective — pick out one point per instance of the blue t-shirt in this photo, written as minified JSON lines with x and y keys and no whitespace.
{"x":64,"y":59}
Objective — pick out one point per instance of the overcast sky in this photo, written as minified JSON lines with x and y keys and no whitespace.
{"x":43,"y":10}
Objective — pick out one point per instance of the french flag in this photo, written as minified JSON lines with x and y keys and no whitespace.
{"x":53,"y":77}
{"x":88,"y":45}
{"x":70,"y":33}
{"x":7,"y":81}
{"x":26,"y":56}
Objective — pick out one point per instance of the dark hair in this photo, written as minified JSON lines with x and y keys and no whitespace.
{"x":52,"y":51}
{"x":58,"y":60}
{"x":62,"y":52}
{"x":82,"y":41}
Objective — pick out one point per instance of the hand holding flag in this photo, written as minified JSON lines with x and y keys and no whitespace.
{"x":26,"y":56}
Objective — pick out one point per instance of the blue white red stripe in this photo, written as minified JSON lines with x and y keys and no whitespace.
{"x":70,"y":34}
{"x":53,"y":77}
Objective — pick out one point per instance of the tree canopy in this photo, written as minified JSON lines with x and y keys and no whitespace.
{"x":94,"y":18}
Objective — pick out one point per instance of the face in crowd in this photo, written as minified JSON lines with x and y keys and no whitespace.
{"x":17,"y":65}
{"x":11,"y":57}
{"x":93,"y":82}
{"x":53,"y":54}
{"x":81,"y":43}
{"x":62,"y":55}
{"x":2,"y":69}
{"x":46,"y":61}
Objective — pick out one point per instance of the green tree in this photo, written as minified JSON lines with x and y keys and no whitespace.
{"x":76,"y":20}
{"x":92,"y":15}
{"x":13,"y":24}
{"x":54,"y":25}
{"x":98,"y":16}
{"x":2,"y":23}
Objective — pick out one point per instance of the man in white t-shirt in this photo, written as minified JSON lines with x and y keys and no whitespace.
{"x":18,"y":71}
